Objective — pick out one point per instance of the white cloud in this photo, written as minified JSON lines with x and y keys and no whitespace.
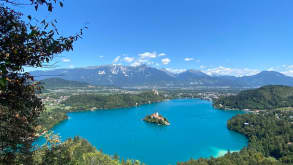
{"x":146,"y":58}
{"x":71,"y":66}
{"x":128,"y":59}
{"x":202,"y":67}
{"x":136,"y":63}
{"x":66,"y":60}
{"x":231,"y":71}
{"x":165,"y":61}
{"x":141,"y":61}
{"x":271,"y":69}
{"x":288,"y":73}
{"x":148,"y":55}
{"x":101,"y":56}
{"x":116,"y":59}
{"x":188,"y":59}
{"x":175,"y":70}
{"x":287,"y":70}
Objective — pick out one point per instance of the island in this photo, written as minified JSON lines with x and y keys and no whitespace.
{"x":157,"y":119}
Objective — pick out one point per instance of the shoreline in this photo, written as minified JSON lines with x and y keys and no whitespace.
{"x":93,"y":109}
{"x":217,"y":152}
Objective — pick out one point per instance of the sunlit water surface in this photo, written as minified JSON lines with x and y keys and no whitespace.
{"x":196,"y":130}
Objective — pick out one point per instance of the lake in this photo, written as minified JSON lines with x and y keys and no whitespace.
{"x":196,"y":130}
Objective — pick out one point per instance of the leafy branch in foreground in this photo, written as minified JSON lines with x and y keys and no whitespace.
{"x":23,"y":43}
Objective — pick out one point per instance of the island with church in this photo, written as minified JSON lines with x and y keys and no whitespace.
{"x":156,"y":118}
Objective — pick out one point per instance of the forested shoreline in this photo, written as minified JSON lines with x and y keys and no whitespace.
{"x":264,"y":98}
{"x":87,"y":102}
{"x":270,"y":136}
{"x":270,"y":133}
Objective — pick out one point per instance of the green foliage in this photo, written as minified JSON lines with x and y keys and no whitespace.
{"x":269,"y":133}
{"x":88,"y":101}
{"x":244,"y":157}
{"x":19,"y":110}
{"x":48,"y":119}
{"x":23,"y":43}
{"x":270,"y":137}
{"x":267,"y":97}
{"x":75,"y":151}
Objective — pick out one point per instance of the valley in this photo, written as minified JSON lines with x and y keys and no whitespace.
{"x":60,"y":100}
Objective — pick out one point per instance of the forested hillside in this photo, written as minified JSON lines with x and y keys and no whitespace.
{"x":76,"y":151}
{"x":270,"y":137}
{"x":87,"y":101}
{"x":267,"y":97}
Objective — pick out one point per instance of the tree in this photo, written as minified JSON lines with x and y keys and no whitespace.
{"x":24,"y":42}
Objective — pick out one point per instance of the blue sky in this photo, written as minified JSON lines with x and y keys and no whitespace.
{"x":232,"y":37}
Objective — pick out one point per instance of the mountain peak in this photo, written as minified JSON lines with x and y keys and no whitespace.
{"x":270,"y":73}
{"x":194,"y":72}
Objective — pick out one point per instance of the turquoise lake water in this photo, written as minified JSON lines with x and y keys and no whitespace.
{"x":196,"y":130}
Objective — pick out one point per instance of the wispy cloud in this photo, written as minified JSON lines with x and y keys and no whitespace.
{"x":128,"y":59}
{"x":66,"y":60}
{"x":136,"y":63}
{"x":71,"y":66}
{"x":288,"y":72}
{"x":165,"y":61}
{"x":202,"y":67}
{"x":116,"y":59}
{"x":145,"y":58}
{"x":148,"y":55}
{"x":172,"y":70}
{"x":238,"y":72}
{"x":188,"y":59}
{"x":101,"y":56}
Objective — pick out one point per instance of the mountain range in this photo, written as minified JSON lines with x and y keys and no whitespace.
{"x":143,"y":75}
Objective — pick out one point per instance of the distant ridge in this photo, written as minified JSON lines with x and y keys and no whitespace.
{"x":51,"y":83}
{"x":143,"y":75}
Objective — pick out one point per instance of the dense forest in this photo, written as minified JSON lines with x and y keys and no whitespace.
{"x":88,"y":101}
{"x":76,"y":151}
{"x":267,"y":97}
{"x":48,"y":119}
{"x":270,"y":137}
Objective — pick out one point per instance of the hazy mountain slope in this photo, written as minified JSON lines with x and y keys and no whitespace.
{"x":61,"y":83}
{"x":267,"y":78}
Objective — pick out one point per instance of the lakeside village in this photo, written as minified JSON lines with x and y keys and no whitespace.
{"x":56,"y":97}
